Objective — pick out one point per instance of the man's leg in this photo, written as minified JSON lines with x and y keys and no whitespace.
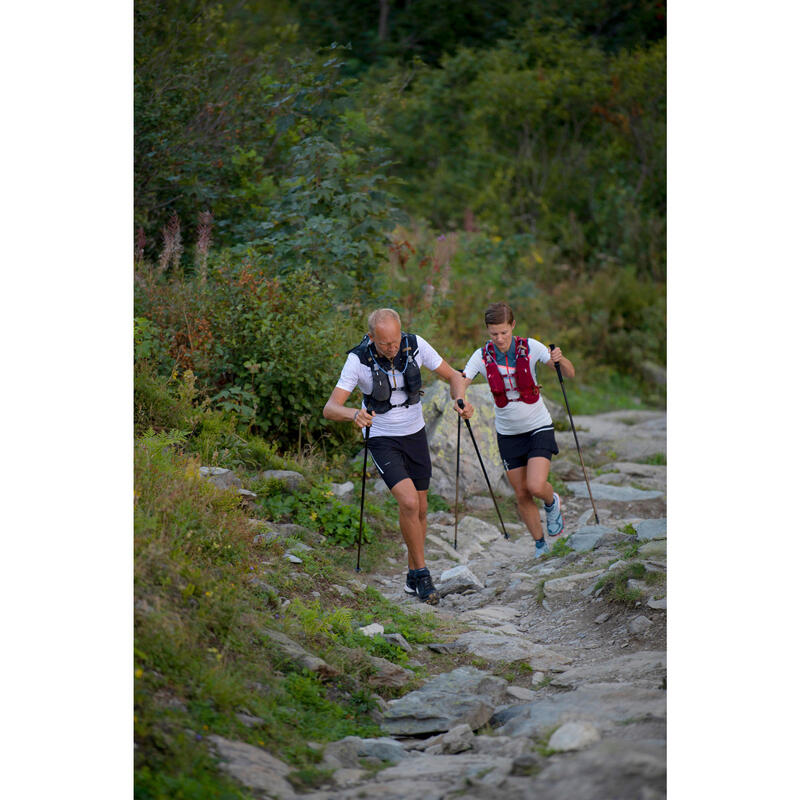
{"x":413,"y":520}
{"x":423,"y":516}
{"x":528,"y":510}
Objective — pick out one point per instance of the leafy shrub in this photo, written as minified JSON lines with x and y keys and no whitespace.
{"x":163,"y":404}
{"x":319,"y":510}
{"x":657,"y":459}
{"x":315,"y":621}
{"x":615,"y":585}
{"x":219,"y":440}
{"x":437,"y":503}
{"x":269,"y":349}
{"x":560,"y":548}
{"x":543,"y":133}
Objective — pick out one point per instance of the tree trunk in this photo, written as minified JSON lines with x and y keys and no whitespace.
{"x":383,"y":21}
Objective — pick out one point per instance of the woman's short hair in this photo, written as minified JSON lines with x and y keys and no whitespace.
{"x":498,"y":313}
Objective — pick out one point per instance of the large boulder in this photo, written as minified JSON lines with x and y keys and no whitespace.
{"x":347,"y":752}
{"x":620,"y":494}
{"x":465,"y":695}
{"x":441,"y":422}
{"x":611,"y":768}
{"x":221,"y":478}
{"x":498,"y":647}
{"x":647,"y":668}
{"x":388,"y":674}
{"x":254,"y":767}
{"x":649,"y":529}
{"x":289,"y":478}
{"x":629,"y":435}
{"x":606,"y":705}
{"x":459,"y":579}
{"x":298,"y":654}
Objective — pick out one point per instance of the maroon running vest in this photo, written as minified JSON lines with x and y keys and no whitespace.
{"x":526,"y":386}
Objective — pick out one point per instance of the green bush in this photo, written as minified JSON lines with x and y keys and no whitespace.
{"x":544,"y":133}
{"x":267,"y":348}
{"x":163,"y":404}
{"x":319,"y":510}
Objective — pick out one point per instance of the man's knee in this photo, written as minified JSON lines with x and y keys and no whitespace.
{"x":409,"y":504}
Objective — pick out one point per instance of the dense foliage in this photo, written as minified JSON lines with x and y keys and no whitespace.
{"x":297,"y":164}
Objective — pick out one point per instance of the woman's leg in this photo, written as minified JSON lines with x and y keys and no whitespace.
{"x":528,"y":510}
{"x":536,"y":479}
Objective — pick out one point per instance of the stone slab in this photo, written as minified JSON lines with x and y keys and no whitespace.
{"x":620,"y":494}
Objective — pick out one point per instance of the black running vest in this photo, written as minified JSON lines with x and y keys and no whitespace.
{"x":380,"y":400}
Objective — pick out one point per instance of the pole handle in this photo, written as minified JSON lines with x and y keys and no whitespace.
{"x":557,"y":365}
{"x":460,"y":403}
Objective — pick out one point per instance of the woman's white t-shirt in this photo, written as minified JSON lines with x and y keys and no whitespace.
{"x":401,"y":421}
{"x":516,"y":417}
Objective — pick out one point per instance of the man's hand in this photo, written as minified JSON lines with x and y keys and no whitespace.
{"x":363,"y":418}
{"x":466,"y":412}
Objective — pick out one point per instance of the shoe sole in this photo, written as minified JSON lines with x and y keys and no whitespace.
{"x":432,"y":599}
{"x":408,"y":590}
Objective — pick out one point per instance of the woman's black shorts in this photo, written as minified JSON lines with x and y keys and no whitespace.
{"x":399,"y":457}
{"x":515,"y":450}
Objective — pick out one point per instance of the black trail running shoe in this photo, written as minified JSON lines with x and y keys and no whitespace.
{"x":411,"y":582}
{"x":426,"y":591}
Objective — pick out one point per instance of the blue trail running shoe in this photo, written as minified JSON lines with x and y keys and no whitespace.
{"x":555,"y":522}
{"x":538,"y":551}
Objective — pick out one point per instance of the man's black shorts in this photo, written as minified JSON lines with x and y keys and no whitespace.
{"x":515,"y":450}
{"x":399,"y":457}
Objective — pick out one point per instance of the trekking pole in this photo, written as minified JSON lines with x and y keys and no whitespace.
{"x":458,"y":464}
{"x":580,"y":455}
{"x":480,"y":460}
{"x":363,"y":487}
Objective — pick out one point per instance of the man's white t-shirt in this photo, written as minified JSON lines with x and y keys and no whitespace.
{"x":516,"y":417}
{"x":401,"y":421}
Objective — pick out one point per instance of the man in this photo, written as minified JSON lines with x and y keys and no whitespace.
{"x":386,"y":368}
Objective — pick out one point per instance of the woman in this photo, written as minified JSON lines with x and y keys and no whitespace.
{"x":525,"y":433}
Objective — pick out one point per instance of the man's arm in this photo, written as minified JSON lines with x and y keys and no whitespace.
{"x":456,"y":379}
{"x":466,"y":383}
{"x":336,"y":410}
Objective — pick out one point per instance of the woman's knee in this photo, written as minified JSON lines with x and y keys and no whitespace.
{"x":522,"y":495}
{"x":539,"y":489}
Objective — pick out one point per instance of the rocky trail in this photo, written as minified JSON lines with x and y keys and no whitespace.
{"x":584,"y":715}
